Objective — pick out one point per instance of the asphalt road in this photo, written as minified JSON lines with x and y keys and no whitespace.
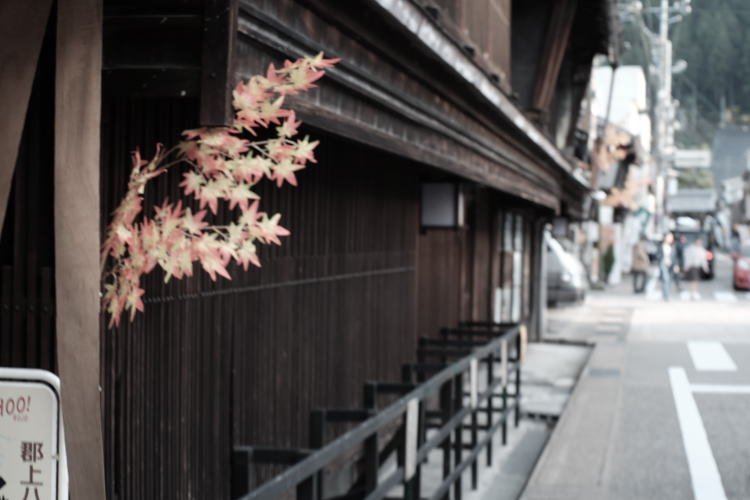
{"x":663,"y":409}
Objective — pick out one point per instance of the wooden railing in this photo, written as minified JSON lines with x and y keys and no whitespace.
{"x":465,"y":383}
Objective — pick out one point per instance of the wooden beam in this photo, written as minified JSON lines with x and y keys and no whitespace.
{"x":538,"y":310}
{"x":558,"y":34}
{"x":218,"y":67}
{"x":77,"y":241}
{"x":22,"y":27}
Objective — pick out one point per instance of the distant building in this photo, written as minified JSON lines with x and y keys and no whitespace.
{"x":692,"y":202}
{"x":692,"y":158}
{"x":731,"y":169}
{"x":624,"y":171}
{"x":731,"y":153}
{"x":628,"y":109}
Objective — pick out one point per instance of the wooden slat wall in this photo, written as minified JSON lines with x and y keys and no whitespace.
{"x":215,"y":364}
{"x":487,"y":24}
{"x":441,"y":254}
{"x":481,"y":272}
{"x":334,"y":306}
{"x":167,"y":376}
{"x":212,"y":365}
{"x":27,"y":332}
{"x":483,"y":25}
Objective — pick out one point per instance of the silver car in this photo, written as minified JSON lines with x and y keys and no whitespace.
{"x":566,"y":276}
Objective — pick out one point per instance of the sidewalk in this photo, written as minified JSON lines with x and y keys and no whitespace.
{"x":549,"y":375}
{"x":572,"y":463}
{"x":604,"y":320}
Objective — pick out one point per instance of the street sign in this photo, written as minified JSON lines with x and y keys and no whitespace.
{"x":33,"y":464}
{"x":692,"y":158}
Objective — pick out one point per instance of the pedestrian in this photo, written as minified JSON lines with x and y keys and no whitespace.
{"x":640,"y":265}
{"x":735,"y":242}
{"x":695,"y":262}
{"x":679,"y":261}
{"x":668,"y":266}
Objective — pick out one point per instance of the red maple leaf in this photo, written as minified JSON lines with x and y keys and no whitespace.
{"x":223,"y":166}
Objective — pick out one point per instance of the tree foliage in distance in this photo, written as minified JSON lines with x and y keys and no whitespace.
{"x":695,"y":178}
{"x":221,"y":165}
{"x":715,"y":42}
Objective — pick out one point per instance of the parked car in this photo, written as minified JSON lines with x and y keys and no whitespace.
{"x":566,"y":275}
{"x":741,"y":274}
{"x":685,"y":238}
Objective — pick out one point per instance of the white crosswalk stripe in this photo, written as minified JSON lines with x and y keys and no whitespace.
{"x":704,"y":472}
{"x":710,"y":355}
{"x":655,"y":294}
{"x":728,"y":297}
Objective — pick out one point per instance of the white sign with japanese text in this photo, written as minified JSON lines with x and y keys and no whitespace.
{"x":32,"y":450}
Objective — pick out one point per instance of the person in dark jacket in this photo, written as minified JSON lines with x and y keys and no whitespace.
{"x":680,"y":246}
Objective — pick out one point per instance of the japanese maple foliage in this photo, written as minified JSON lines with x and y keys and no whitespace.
{"x":222,"y":165}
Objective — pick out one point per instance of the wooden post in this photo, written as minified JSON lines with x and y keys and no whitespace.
{"x":22,"y":27}
{"x":558,"y":33}
{"x":538,"y":312}
{"x":77,"y":241}
{"x":219,"y":41}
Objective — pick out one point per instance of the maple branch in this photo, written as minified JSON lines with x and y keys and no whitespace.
{"x":220,"y":168}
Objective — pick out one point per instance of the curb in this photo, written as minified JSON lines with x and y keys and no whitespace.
{"x":563,"y":415}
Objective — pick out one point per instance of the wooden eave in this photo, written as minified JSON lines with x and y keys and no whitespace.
{"x":415,"y":22}
{"x":395,"y":88}
{"x":380,"y":96}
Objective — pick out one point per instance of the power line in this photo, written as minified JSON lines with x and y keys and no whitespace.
{"x":684,"y":79}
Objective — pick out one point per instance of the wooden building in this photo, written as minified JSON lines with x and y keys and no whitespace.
{"x":475,"y":98}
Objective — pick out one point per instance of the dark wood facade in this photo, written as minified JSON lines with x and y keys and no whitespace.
{"x":27,"y":332}
{"x":213,"y":365}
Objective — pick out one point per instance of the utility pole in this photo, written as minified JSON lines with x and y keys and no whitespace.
{"x":663,"y":116}
{"x":663,"y":112}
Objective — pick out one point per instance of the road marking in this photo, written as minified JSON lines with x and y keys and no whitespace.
{"x":704,"y":473}
{"x":709,"y":355}
{"x":609,"y":326}
{"x":725,"y":296}
{"x":720,"y":389}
